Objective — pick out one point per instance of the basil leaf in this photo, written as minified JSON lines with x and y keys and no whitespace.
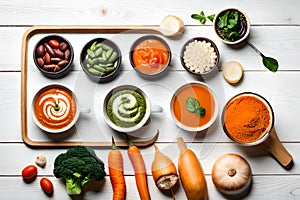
{"x":191,"y":104}
{"x":203,"y":19}
{"x":195,"y":16}
{"x":270,"y":63}
{"x":211,"y":17}
{"x":201,"y":111}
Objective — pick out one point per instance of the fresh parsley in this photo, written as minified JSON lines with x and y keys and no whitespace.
{"x":202,"y":18}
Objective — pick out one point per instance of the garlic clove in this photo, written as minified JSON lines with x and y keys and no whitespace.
{"x":231,"y":174}
{"x":41,"y":160}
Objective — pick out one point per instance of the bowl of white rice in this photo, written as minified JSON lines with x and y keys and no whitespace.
{"x":200,"y":56}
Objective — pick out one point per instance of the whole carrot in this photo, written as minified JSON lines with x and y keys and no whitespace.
{"x":139,"y":168}
{"x":115,"y":167}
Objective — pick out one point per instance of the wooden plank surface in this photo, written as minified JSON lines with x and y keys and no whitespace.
{"x":34,"y":12}
{"x":275,"y":31}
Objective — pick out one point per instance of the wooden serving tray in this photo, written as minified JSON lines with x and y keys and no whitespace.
{"x":86,"y":131}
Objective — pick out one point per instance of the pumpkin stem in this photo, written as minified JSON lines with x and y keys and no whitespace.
{"x":232,"y":172}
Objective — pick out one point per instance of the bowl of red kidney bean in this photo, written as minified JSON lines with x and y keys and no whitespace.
{"x":53,"y":56}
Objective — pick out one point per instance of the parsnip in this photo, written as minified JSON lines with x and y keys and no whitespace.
{"x":191,"y":173}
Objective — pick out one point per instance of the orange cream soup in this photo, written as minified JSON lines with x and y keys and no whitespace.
{"x":206,"y":100}
{"x":47,"y":115}
{"x":150,"y":56}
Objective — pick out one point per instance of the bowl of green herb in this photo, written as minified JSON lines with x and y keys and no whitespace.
{"x":232,"y":25}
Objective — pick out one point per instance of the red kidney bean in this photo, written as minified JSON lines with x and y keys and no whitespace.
{"x":67,"y":54}
{"x":47,"y":58}
{"x":55,"y":60}
{"x":49,"y":49}
{"x":59,"y":53}
{"x":40,"y":62}
{"x":54,"y":44}
{"x":63,"y":63}
{"x":50,"y":67}
{"x":53,"y":55}
{"x":63,"y":46}
{"x":56,"y":69}
{"x":40,"y":51}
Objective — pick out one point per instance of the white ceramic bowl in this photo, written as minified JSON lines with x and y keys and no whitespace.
{"x":61,"y":129}
{"x":244,"y":35}
{"x":213,"y":116}
{"x":136,"y":126}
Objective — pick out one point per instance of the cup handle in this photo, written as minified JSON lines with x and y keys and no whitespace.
{"x":273,"y":146}
{"x":85,"y":110}
{"x":156,"y":109}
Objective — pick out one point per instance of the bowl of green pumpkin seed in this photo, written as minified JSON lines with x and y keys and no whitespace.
{"x":232,"y":25}
{"x":101,"y":59}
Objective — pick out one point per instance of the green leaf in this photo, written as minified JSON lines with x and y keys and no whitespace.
{"x":270,"y":63}
{"x":201,"y":111}
{"x":192,"y":104}
{"x":223,"y":19}
{"x":195,"y":16}
{"x":56,"y":107}
{"x":211,"y":17}
{"x":233,"y":34}
{"x":202,"y":19}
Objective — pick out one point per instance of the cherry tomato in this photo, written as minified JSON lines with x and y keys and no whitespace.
{"x":29,"y":172}
{"x":46,"y":185}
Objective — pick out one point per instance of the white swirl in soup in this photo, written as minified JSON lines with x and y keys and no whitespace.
{"x":55,"y":108}
{"x":126,"y":108}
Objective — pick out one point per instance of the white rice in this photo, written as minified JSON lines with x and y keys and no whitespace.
{"x":199,"y":56}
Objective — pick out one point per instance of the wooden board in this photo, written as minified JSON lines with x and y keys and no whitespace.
{"x":31,"y":80}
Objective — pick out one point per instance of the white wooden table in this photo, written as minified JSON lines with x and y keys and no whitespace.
{"x":275,"y":31}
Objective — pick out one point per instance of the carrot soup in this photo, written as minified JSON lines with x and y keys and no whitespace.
{"x":55,"y":108}
{"x":201,"y":96}
{"x":150,"y":56}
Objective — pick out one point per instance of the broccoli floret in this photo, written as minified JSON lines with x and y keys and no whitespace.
{"x":78,"y":166}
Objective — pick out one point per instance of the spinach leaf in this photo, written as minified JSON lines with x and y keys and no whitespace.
{"x":192,"y":104}
{"x":270,"y":63}
{"x":223,"y":19}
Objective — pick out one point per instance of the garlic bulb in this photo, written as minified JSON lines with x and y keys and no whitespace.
{"x":231,"y":174}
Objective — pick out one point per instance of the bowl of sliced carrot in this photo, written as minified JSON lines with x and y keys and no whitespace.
{"x":150,"y":56}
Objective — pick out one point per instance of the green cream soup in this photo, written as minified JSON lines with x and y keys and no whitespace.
{"x":126,"y":108}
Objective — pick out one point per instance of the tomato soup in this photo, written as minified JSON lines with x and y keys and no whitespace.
{"x":150,"y":56}
{"x":247,"y":118}
{"x":205,"y":99}
{"x":55,"y":108}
